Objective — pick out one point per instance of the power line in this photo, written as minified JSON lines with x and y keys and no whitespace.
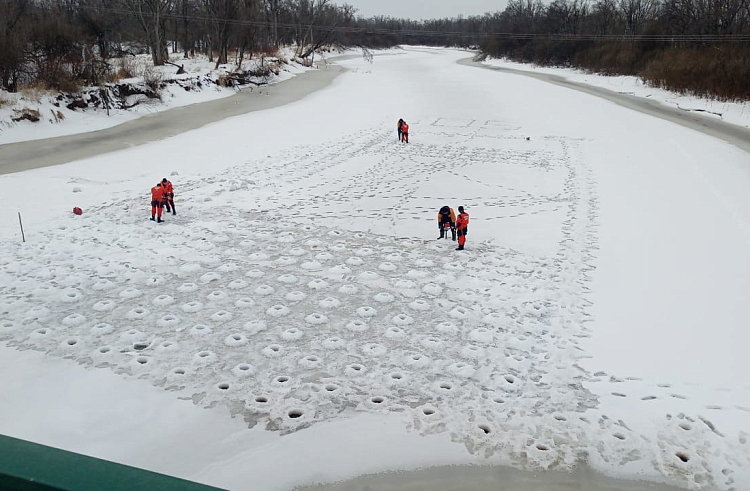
{"x":434,"y":33}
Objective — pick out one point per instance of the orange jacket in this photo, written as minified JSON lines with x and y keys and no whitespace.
{"x":157,"y":193}
{"x":404,"y":128}
{"x":462,"y":222}
{"x":452,"y":215}
{"x":167,"y":187}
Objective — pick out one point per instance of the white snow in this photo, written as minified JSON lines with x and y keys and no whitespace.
{"x":596,"y":314}
{"x":735,"y":112}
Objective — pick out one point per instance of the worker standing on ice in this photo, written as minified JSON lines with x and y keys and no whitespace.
{"x":462,"y":226}
{"x":405,"y":132}
{"x":446,"y":218}
{"x":157,"y":195}
{"x":168,"y":195}
{"x":398,"y":126}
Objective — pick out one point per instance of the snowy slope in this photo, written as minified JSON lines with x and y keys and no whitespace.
{"x":300,"y":288}
{"x":729,"y":111}
{"x":198,"y":84}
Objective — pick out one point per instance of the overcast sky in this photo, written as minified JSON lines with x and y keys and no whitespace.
{"x":424,"y":9}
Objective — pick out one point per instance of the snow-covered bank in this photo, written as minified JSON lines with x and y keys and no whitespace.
{"x":33,"y":114}
{"x":300,"y":287}
{"x":731,"y":112}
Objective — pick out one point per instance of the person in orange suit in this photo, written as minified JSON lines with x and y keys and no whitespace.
{"x":168,"y":195}
{"x":462,"y":227}
{"x":405,"y":132}
{"x":446,"y":218}
{"x":157,"y":197}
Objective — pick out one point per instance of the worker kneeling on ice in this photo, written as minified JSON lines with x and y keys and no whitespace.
{"x":446,"y":219}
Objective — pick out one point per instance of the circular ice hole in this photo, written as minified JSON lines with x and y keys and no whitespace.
{"x":356,"y":367}
{"x":104,"y":350}
{"x":542,"y":447}
{"x":140,"y":346}
{"x":72,"y":342}
{"x":446,"y":386}
{"x":377,"y":400}
{"x":428,"y":411}
{"x":499,"y":400}
{"x":261,"y":399}
{"x":312,"y":358}
{"x":331,"y":388}
{"x":244,"y":367}
{"x":141,"y":360}
{"x":179,"y":371}
{"x":223,"y":386}
{"x":295,"y":413}
{"x":236,"y":337}
{"x":509,"y":379}
{"x":282,"y":380}
{"x":275,"y":347}
{"x":204,"y":354}
{"x":396,"y":376}
{"x":485,"y":428}
{"x":683,"y":456}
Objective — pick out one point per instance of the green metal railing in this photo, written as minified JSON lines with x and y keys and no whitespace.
{"x":26,"y":466}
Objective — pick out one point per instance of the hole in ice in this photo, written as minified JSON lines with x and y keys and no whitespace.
{"x":140,"y":346}
{"x":243,"y":366}
{"x":104,"y":350}
{"x":261,"y":399}
{"x":416,"y":357}
{"x":356,"y":367}
{"x":236,"y":337}
{"x":312,"y":358}
{"x":141,"y":360}
{"x":428,"y":411}
{"x":510,"y":379}
{"x":685,"y":426}
{"x":499,"y":400}
{"x":560,"y":417}
{"x":619,"y":436}
{"x":377,"y":400}
{"x":485,"y":428}
{"x":41,"y":331}
{"x":223,"y":386}
{"x":166,"y":344}
{"x":542,"y":447}
{"x":396,"y":376}
{"x":331,"y":388}
{"x":683,"y":456}
{"x":204,"y":354}
{"x":275,"y":347}
{"x":282,"y":379}
{"x":295,"y":413}
{"x":72,"y":342}
{"x":179,"y":371}
{"x":446,"y":386}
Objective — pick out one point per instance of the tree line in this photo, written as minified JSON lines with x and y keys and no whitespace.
{"x":699,"y":46}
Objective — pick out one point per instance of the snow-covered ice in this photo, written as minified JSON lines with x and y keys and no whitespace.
{"x":312,"y":302}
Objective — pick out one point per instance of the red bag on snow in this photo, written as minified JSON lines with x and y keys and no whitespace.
{"x":77,"y":211}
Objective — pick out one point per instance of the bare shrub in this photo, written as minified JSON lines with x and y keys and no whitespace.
{"x":26,"y":114}
{"x":128,"y":67}
{"x":152,"y":78}
{"x":70,"y":86}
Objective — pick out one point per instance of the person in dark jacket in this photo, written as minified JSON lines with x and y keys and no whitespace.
{"x":446,"y":218}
